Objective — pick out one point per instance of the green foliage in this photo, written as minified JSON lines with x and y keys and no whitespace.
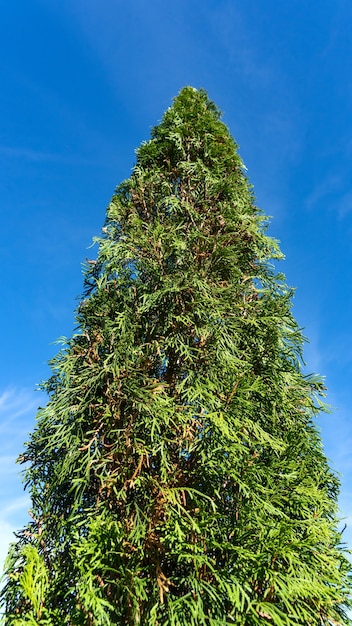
{"x":176,"y":474}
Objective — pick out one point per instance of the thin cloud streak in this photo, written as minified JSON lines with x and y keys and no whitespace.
{"x":18,"y":504}
{"x":31,"y":154}
{"x":13,"y":405}
{"x":17,"y":410}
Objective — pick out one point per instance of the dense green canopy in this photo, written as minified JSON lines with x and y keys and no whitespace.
{"x":176,"y":474}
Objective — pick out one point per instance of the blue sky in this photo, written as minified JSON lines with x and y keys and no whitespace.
{"x":83,"y":82}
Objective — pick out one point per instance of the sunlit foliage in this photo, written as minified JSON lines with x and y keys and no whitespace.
{"x":176,"y":474}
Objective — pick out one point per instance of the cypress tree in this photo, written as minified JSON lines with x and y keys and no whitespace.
{"x":176,"y":474}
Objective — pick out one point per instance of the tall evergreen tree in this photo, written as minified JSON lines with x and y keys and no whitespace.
{"x":176,"y":474}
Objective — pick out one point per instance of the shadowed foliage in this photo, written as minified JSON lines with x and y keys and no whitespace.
{"x":176,"y":474}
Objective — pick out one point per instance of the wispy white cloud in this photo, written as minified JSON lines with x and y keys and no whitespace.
{"x":330,"y":185}
{"x":7,"y":465}
{"x":15,"y":505}
{"x":336,"y":431}
{"x":17,"y":410}
{"x":31,"y":154}
{"x":345,"y":204}
{"x":334,"y":193}
{"x":14,"y":402}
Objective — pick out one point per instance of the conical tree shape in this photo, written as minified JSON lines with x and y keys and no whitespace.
{"x":176,"y":474}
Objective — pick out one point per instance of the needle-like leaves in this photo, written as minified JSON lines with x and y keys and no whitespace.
{"x":177,"y":476}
